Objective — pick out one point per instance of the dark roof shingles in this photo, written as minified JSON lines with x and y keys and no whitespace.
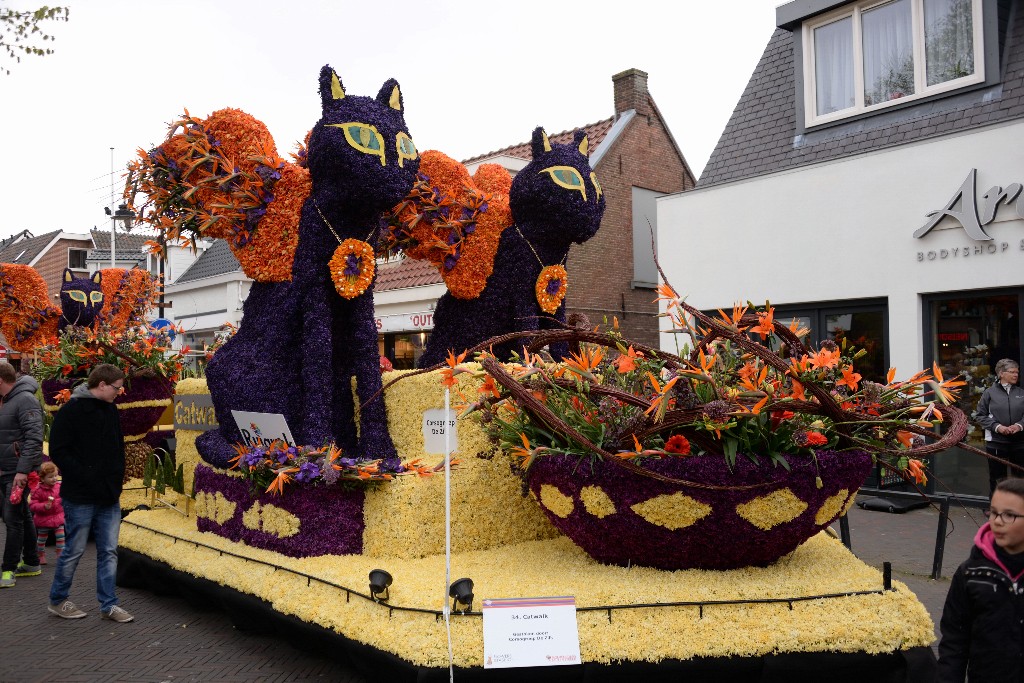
{"x":31,"y":247}
{"x":217,"y":260}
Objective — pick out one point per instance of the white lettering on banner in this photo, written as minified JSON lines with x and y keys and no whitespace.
{"x":405,"y":322}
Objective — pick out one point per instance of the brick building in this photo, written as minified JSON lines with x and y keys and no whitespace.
{"x":636,"y":160}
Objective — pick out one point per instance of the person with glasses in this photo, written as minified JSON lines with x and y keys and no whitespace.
{"x":87,"y":445}
{"x":1001,"y":414}
{"x":981,"y":625}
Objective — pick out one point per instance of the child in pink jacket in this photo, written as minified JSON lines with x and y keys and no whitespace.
{"x":47,"y":509}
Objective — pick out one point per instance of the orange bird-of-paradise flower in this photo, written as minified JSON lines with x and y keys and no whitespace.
{"x":850,"y":378}
{"x":62,"y":396}
{"x":453,"y":369}
{"x":737,"y":315}
{"x":282,"y":478}
{"x":585,"y":361}
{"x":659,"y":403}
{"x":942,"y":387}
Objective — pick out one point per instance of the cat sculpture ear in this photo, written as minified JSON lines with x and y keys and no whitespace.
{"x":582,"y":143}
{"x":391,"y":95}
{"x":97,"y":277}
{"x":331,"y":88}
{"x":540,"y":142}
{"x":68,"y":276}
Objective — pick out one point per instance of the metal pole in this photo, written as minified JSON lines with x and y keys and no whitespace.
{"x":113,"y":219}
{"x":940,"y":538}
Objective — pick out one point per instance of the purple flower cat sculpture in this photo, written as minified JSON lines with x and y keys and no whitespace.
{"x":301,"y":342}
{"x":555,"y":201}
{"x":80,"y":299}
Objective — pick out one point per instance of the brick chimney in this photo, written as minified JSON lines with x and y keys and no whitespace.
{"x":631,"y":91}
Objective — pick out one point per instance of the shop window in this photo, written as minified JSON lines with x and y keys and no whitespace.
{"x":873,"y":55}
{"x":966,"y":336}
{"x":861,"y":325}
{"x":403,"y":349}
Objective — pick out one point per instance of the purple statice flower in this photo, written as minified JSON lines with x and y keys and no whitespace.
{"x":308,"y":471}
{"x":450,"y":261}
{"x":353,"y":265}
{"x":329,"y":474}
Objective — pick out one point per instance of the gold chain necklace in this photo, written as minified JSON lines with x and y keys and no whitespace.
{"x":552,"y":282}
{"x":352,"y":266}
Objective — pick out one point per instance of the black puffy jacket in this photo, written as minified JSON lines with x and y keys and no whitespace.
{"x":86,"y":444}
{"x":982,"y":622}
{"x":21,"y":422}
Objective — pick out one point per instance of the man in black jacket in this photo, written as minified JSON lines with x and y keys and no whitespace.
{"x":87,"y":445}
{"x":21,"y":451}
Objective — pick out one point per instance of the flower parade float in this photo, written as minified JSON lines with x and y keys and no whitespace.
{"x":102,"y":319}
{"x":678,"y":498}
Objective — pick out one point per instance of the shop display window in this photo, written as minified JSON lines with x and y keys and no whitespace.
{"x":403,"y":349}
{"x":966,"y":336}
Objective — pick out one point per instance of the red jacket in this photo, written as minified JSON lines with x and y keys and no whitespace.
{"x":47,"y":519}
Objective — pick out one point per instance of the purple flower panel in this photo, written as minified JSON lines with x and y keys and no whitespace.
{"x":330,"y":518}
{"x":722,"y":539}
{"x":134,"y":421}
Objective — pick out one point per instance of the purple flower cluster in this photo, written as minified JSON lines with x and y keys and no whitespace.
{"x":330,"y":518}
{"x":721,"y":540}
{"x":134,"y":421}
{"x":300,"y":343}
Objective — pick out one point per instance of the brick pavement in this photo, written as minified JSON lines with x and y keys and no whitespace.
{"x":171,"y":642}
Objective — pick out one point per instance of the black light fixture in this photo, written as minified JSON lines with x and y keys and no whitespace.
{"x":379,"y":582}
{"x":461,"y":592}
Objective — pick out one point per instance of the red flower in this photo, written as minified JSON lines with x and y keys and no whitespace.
{"x":678,"y":445}
{"x":816,"y":439}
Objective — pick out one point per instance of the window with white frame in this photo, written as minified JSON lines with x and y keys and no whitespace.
{"x":76,"y":259}
{"x":872,"y":55}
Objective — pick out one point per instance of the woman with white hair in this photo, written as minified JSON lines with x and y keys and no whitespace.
{"x":1001,"y":413}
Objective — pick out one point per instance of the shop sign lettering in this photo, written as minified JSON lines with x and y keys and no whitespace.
{"x":972,"y":217}
{"x":967,"y":251}
{"x":194,"y":411}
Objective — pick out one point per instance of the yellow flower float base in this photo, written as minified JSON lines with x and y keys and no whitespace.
{"x":872,"y":631}
{"x":504,"y":542}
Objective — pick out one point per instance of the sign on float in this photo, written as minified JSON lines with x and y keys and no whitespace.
{"x":530,"y":632}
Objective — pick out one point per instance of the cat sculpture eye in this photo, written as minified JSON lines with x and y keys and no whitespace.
{"x":406,"y":149}
{"x":363,"y":137}
{"x":567,"y":177}
{"x":77,"y":295}
{"x":96,"y":297}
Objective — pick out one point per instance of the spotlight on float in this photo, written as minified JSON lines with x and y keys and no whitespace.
{"x":379,"y":582}
{"x":461,"y":592}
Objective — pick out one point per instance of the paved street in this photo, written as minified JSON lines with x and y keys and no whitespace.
{"x":171,"y":642}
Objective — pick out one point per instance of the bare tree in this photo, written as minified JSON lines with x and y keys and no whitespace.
{"x":21,"y":32}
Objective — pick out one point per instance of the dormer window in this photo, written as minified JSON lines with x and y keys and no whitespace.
{"x":872,"y":55}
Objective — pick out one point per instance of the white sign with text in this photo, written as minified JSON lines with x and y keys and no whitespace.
{"x":262,"y":429}
{"x":530,"y":632}
{"x":434,"y":431}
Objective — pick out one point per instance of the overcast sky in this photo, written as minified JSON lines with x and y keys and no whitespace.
{"x":476,"y":76}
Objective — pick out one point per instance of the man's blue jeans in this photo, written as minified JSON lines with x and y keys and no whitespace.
{"x":105,"y":522}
